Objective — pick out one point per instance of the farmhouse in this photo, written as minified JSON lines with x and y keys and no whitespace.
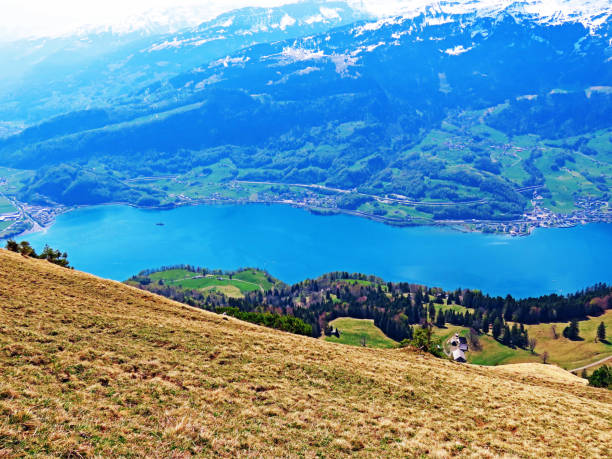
{"x":459,"y":356}
{"x":458,"y":347}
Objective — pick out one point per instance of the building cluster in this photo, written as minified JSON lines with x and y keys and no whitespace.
{"x":458,"y":348}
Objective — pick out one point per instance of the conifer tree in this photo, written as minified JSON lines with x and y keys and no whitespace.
{"x":506,"y":338}
{"x":485,"y":325}
{"x":497,"y":328}
{"x":440,"y":323}
{"x":601,"y":332}
{"x":572,"y":331}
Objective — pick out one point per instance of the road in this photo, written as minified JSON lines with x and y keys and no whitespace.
{"x":373,"y":196}
{"x":24,"y":215}
{"x":594,"y":364}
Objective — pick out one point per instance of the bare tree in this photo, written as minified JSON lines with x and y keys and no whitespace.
{"x":532,"y":344}
{"x":553,"y":328}
{"x":474,"y":340}
{"x":544,"y":357}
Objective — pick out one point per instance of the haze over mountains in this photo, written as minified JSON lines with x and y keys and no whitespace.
{"x":78,"y":71}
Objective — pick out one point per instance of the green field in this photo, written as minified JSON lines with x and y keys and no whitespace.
{"x":352,"y":332}
{"x":232,"y":284}
{"x":255,"y":276}
{"x":356,"y":282}
{"x":171,"y":275}
{"x":573,"y":354}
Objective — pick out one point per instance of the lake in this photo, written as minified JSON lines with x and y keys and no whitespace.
{"x":119,"y":241}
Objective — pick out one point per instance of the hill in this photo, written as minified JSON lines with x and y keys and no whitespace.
{"x":396,"y":309}
{"x":559,"y":350}
{"x":233,"y":284}
{"x":94,"y":367}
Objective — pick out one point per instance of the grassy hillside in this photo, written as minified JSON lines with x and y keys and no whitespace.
{"x":93,"y":367}
{"x":573,"y":354}
{"x":233,"y":284}
{"x":561,"y":351}
{"x":352,"y":331}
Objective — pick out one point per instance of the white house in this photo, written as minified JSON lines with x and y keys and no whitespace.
{"x":459,"y":356}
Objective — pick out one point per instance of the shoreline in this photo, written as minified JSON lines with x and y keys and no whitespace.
{"x":456,"y":225}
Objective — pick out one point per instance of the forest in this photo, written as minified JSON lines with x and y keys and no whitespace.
{"x":395,"y":307}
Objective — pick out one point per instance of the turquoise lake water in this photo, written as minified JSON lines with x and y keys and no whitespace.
{"x":292,"y":244}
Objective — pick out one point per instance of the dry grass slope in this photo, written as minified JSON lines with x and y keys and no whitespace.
{"x":92,"y":367}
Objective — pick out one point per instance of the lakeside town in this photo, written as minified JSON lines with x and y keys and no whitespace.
{"x":26,"y":218}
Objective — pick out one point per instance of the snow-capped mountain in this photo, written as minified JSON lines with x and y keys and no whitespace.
{"x":590,"y":13}
{"x":410,"y":104}
{"x":401,"y":73}
{"x":46,"y":77}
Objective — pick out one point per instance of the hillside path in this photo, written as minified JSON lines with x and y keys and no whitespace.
{"x":605,"y":359}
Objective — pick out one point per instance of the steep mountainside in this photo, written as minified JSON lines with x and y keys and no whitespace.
{"x":51,"y":76}
{"x":93,"y":367}
{"x":436,"y":116}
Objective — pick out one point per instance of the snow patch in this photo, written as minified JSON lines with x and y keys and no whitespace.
{"x":290,"y":55}
{"x":206,"y":40}
{"x":373,"y":26}
{"x":457,"y":50}
{"x":329,"y":13}
{"x":287,"y":21}
{"x":227,"y":23}
{"x":227,"y":61}
{"x":175,"y":43}
{"x":307,"y":70}
{"x":343,"y":62}
{"x":301,"y":72}
{"x":371,"y":48}
{"x":436,"y":21}
{"x":325,"y":15}
{"x":216,"y":78}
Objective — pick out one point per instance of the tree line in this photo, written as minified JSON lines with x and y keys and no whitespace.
{"x":51,"y":255}
{"x":592,"y":301}
{"x":399,"y":309}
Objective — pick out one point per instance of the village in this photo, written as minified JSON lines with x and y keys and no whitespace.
{"x":328,"y":201}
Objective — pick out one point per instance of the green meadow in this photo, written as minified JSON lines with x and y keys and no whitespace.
{"x":352,"y":332}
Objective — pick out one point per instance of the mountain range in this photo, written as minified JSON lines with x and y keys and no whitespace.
{"x":425,"y":116}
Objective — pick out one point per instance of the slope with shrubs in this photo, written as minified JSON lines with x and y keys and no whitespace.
{"x":92,"y":367}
